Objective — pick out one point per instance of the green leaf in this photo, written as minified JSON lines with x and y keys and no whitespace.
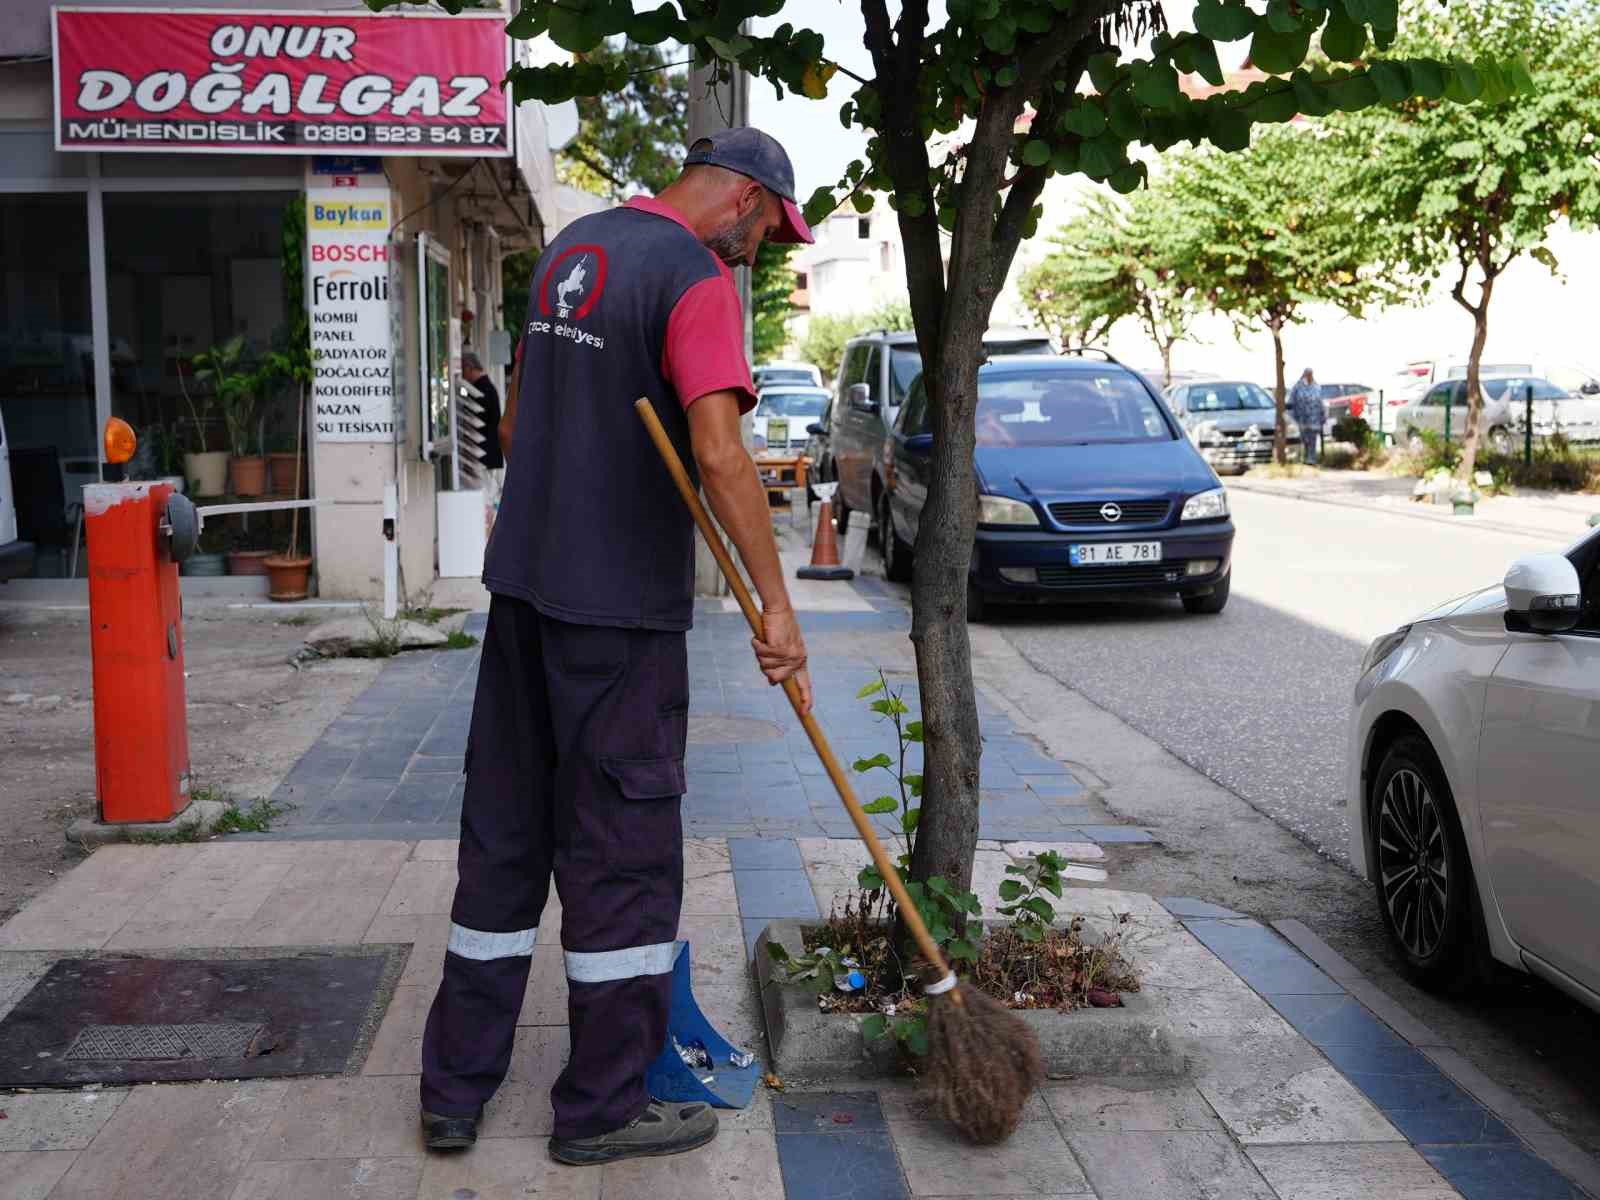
{"x":1036,"y":153}
{"x":1011,"y":889}
{"x":1065,"y":159}
{"x":1127,"y":179}
{"x":913,"y":204}
{"x":1094,"y":161}
{"x":871,"y":689}
{"x":578,"y":32}
{"x":1158,"y":87}
{"x":1040,"y":907}
{"x":1084,"y":119}
{"x":909,"y":820}
{"x":883,"y":804}
{"x":913,"y":731}
{"x":650,"y":28}
{"x":960,"y":948}
{"x":1342,"y":39}
{"x":864,"y":765}
{"x":1279,"y":53}
{"x":1521,"y":79}
{"x":1203,"y":52}
{"x":1391,"y":79}
{"x":1052,"y":885}
{"x":1030,"y":931}
{"x":1006,"y":76}
{"x":1280,"y":18}
{"x":1353,"y":93}
{"x":913,"y":784}
{"x":913,"y":1035}
{"x":729,"y":48}
{"x":869,"y":880}
{"x":819,"y":206}
{"x":1103,"y":71}
{"x":862,"y":203}
{"x":1126,"y":121}
{"x":1427,"y":78}
{"x":1033,"y":20}
{"x":874,"y":1027}
{"x":1000,"y":35}
{"x":1462,"y":84}
{"x":1275,"y":105}
{"x":1224,"y":20}
{"x":1228,"y":129}
{"x":776,"y":952}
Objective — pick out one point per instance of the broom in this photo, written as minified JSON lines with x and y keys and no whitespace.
{"x":983,"y":1061}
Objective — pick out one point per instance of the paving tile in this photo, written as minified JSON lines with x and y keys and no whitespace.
{"x":427,"y":936}
{"x":416,"y":800}
{"x":1349,"y":1173}
{"x":368,"y":1178}
{"x":40,"y":1121}
{"x":1499,"y":1173}
{"x":1053,"y":787}
{"x":97,"y":898}
{"x":717,"y":950}
{"x":737,"y":1166}
{"x":827,"y":1112}
{"x":437,"y":764}
{"x":397,"y":1046}
{"x":1115,"y":835}
{"x":362,"y":1117}
{"x":1262,"y":959}
{"x":190,"y":1142}
{"x":30,"y":1175}
{"x":1162,"y":1166}
{"x":520,"y":1108}
{"x":1336,"y":1021}
{"x":710,"y":894}
{"x":1214,"y":1011}
{"x":765,"y":854}
{"x":1187,"y":906}
{"x":207,"y":903}
{"x":840,"y":1166}
{"x":1473,"y":1126}
{"x":444,"y":742}
{"x":1034,"y":1161}
{"x":544,"y":1002}
{"x":506,"y":1169}
{"x":437,"y":850}
{"x":753,"y":927}
{"x":357,"y":801}
{"x":381,"y":763}
{"x":1071,"y":851}
{"x":775,"y":894}
{"x":1087,"y":1105}
{"x":1398,"y":1077}
{"x":330,"y":897}
{"x":421,"y":889}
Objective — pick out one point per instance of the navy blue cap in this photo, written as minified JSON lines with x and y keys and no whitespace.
{"x":759,"y":156}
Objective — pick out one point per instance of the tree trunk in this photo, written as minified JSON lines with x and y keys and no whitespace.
{"x":1280,"y":435}
{"x":1166,"y":364}
{"x":1480,"y":334}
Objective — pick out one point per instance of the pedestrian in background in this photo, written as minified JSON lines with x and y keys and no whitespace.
{"x":1305,"y":403}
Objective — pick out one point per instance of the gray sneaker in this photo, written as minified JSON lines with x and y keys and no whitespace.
{"x":663,"y":1128}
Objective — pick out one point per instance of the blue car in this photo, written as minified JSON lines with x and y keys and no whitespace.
{"x":1087,"y":487}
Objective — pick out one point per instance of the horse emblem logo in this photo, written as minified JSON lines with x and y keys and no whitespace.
{"x":570,"y":286}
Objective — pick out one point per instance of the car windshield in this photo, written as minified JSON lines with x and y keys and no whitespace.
{"x":791,"y":404}
{"x":1062,"y":408}
{"x":770,"y":375}
{"x":1226,"y":397}
{"x":906,"y":364}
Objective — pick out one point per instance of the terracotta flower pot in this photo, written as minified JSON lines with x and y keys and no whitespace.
{"x":248,"y":562}
{"x":282,"y":469}
{"x":249,"y":475}
{"x":209,"y":472}
{"x":289,"y":577}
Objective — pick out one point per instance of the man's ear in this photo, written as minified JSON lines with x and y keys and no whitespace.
{"x":751,"y":198}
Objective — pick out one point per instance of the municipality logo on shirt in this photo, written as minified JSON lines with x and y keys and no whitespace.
{"x":574,"y":282}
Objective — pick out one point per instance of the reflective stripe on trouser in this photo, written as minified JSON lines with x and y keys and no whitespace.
{"x":574,"y":768}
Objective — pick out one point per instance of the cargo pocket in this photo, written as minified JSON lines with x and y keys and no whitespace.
{"x":645,"y":831}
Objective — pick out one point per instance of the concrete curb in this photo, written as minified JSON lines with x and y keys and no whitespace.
{"x":199,"y":819}
{"x":807,"y":1044}
{"x":1398,"y":511}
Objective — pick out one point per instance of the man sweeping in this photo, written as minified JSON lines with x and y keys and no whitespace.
{"x":575,"y":760}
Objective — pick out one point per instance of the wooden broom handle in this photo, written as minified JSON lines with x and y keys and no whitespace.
{"x":686,"y":489}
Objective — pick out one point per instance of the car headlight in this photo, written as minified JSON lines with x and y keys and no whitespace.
{"x":1002,"y":510}
{"x":1383,"y":647}
{"x":1206,"y":434}
{"x":1207,"y":506}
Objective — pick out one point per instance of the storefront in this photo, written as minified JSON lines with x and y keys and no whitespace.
{"x":189,"y":195}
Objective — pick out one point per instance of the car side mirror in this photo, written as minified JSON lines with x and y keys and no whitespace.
{"x":815,"y":428}
{"x":860,"y":396}
{"x":1543,"y":594}
{"x":1590,"y":388}
{"x":919,"y":443}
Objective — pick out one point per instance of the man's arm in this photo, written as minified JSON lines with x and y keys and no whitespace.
{"x":508,"y":411}
{"x":735,"y":495}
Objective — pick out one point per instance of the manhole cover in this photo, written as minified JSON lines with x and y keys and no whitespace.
{"x":228,"y":1040}
{"x":716,"y":730}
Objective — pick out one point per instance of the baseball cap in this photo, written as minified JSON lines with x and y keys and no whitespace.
{"x":758,"y":155}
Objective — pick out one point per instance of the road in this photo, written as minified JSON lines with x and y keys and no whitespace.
{"x":1258,"y":697}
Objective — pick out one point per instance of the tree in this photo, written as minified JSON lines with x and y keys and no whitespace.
{"x":826,"y":334}
{"x":630,"y":138}
{"x":1470,"y":187}
{"x":1270,"y":232}
{"x":976,"y":75}
{"x":771,"y":284}
{"x":1116,"y":260}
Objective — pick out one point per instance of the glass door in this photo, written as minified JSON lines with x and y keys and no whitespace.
{"x":433,"y":327}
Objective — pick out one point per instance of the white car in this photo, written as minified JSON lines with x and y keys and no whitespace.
{"x":784,"y":414}
{"x":788,"y":374}
{"x":1474,"y":758}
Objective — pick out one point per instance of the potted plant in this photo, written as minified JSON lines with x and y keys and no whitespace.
{"x":290,"y":572}
{"x":285,"y":472}
{"x":237,"y":382}
{"x":204,"y":468}
{"x":168,"y":460}
{"x":247,"y":554}
{"x":211,"y":558}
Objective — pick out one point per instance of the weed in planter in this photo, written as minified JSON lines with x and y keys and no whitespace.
{"x":258,"y":818}
{"x":427,"y":614}
{"x":1030,"y":913}
{"x":460,"y":641}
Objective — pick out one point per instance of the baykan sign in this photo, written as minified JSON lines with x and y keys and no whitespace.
{"x":347,"y":248}
{"x":261,"y":82}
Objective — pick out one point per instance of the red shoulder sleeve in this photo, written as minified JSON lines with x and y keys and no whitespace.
{"x":705,"y":344}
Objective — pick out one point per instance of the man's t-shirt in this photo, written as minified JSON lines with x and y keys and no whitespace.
{"x":625,"y":303}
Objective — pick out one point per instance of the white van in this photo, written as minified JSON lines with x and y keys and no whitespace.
{"x":16,"y":557}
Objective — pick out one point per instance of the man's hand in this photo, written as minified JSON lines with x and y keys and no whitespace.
{"x":781,"y":651}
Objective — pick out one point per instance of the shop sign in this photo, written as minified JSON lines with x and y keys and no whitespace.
{"x":262,"y":82}
{"x":347,"y":265}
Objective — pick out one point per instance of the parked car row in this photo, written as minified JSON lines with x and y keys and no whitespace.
{"x":1505,"y":412}
{"x":1233,"y":422}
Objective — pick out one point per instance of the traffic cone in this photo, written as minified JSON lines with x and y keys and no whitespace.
{"x":825,"y":545}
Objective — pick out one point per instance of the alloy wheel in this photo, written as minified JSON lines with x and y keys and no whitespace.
{"x":1413,"y":863}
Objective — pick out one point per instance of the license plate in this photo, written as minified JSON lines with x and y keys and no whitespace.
{"x":1114,"y":554}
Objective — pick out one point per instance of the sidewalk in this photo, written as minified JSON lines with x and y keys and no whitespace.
{"x":1294,"y":1090}
{"x":1527,"y":513}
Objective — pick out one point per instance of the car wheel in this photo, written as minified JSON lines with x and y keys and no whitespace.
{"x":977,"y":606}
{"x":1215,"y":602}
{"x":1500,"y":441}
{"x":896,"y":553}
{"x":1423,"y":878}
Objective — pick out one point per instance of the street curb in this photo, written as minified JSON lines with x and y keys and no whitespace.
{"x":1540,"y":1135}
{"x":1368,"y":506}
{"x":196,"y":822}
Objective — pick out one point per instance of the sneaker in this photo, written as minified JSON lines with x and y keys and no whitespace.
{"x":663,"y":1128}
{"x":449,"y":1133}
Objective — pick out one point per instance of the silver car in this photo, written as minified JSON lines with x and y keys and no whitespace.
{"x":1471,"y":779}
{"x":1505,"y":402}
{"x":1232,"y":422}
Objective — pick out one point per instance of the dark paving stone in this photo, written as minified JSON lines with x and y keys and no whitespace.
{"x":309,"y":1011}
{"x":1053,"y":787}
{"x":1036,"y":764}
{"x":1075,"y":816}
{"x":1398,"y":1078}
{"x":437,"y":764}
{"x":385,"y":764}
{"x":321,"y":766}
{"x":1499,"y":1173}
{"x":1187,"y":906}
{"x":840,"y":1166}
{"x":774,"y":894}
{"x":1261,"y":958}
{"x":444,"y":743}
{"x":416,"y":800}
{"x":1451,"y":1126}
{"x":1336,"y":1021}
{"x":765,"y":854}
{"x":355,"y":801}
{"x":827,"y":1112}
{"x":752,"y":931}
{"x":1116,"y":834}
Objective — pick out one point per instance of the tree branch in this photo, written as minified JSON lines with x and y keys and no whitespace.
{"x":572,"y":151}
{"x":1035,"y":67}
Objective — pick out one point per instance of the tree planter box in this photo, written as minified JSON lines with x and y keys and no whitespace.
{"x":809,"y":1044}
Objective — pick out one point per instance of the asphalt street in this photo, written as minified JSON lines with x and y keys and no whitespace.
{"x":1258,"y":697}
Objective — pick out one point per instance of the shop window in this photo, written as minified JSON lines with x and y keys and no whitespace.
{"x":47,"y":369}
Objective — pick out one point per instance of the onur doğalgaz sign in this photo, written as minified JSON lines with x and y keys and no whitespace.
{"x":347,"y":265}
{"x":263,"y":82}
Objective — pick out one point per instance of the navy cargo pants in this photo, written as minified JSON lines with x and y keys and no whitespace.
{"x":574,"y":766}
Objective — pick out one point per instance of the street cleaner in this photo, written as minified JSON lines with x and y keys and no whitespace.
{"x":574,"y":764}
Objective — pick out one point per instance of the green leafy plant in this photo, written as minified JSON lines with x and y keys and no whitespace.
{"x":1023,"y":898}
{"x":237,"y":378}
{"x":1438,"y":453}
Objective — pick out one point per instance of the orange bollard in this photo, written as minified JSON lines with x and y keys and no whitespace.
{"x":141,"y":737}
{"x":825,"y":549}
